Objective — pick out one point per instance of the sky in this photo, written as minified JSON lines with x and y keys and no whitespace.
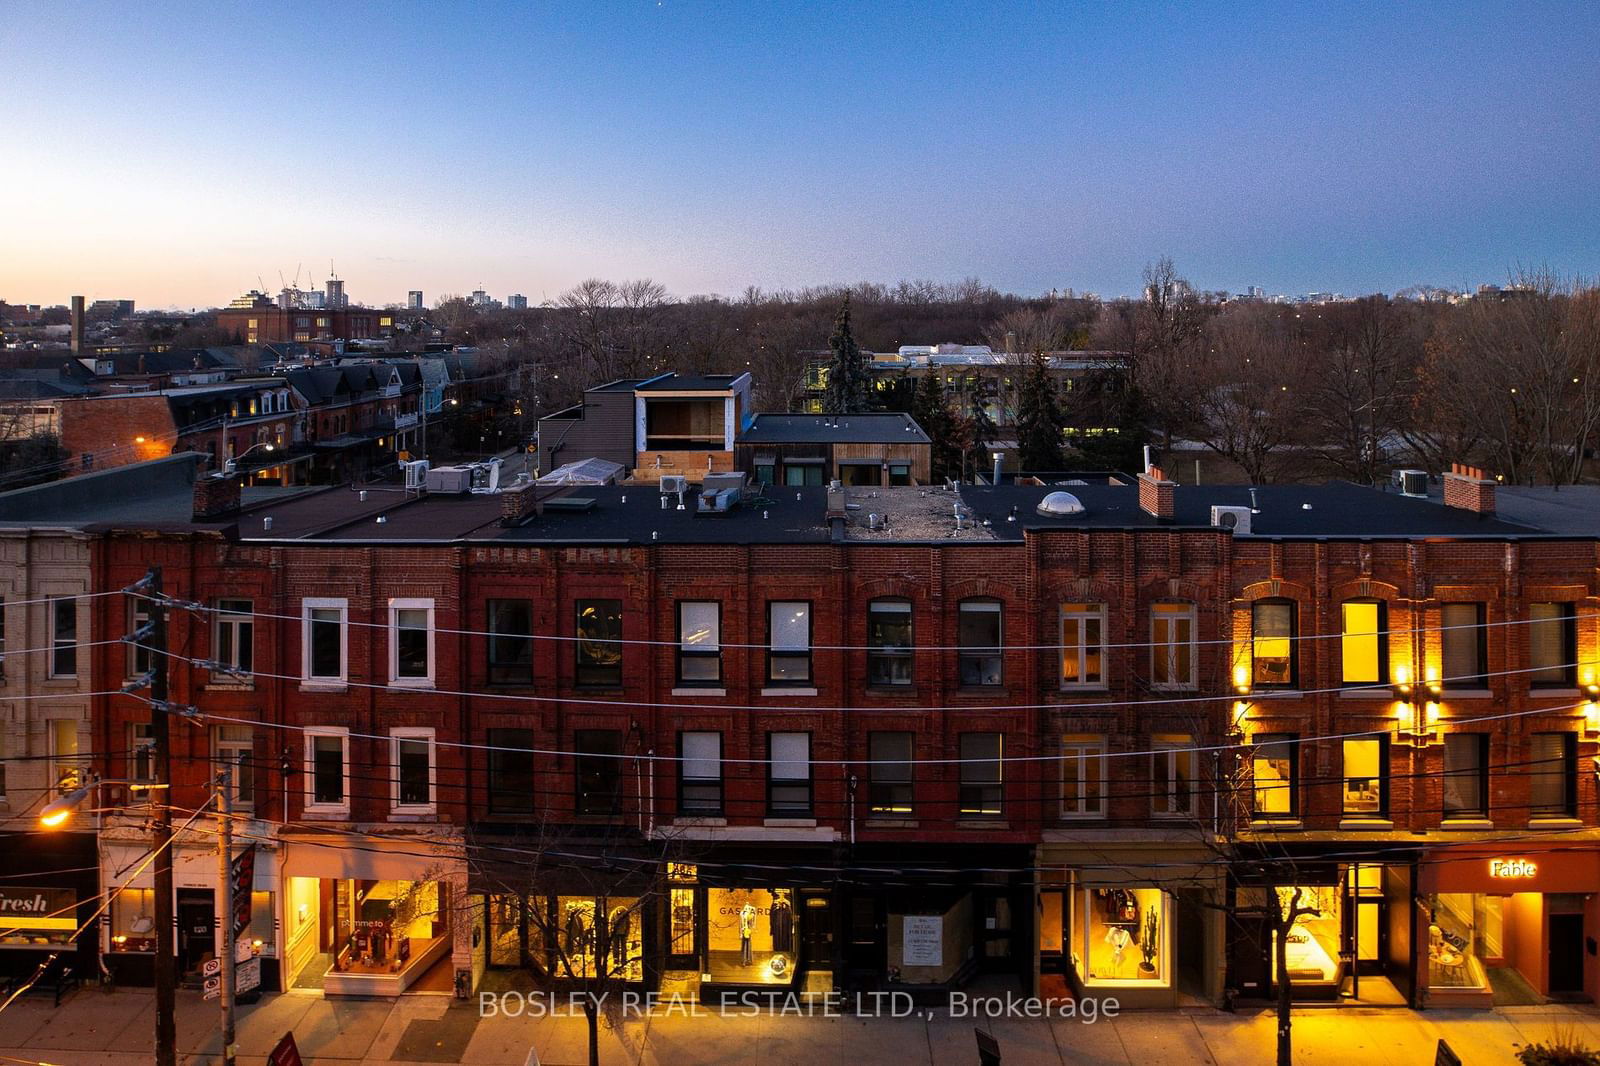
{"x":181,"y":154}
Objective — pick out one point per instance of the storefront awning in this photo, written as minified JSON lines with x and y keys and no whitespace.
{"x":370,"y":859}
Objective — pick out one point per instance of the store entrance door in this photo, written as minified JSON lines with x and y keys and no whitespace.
{"x":868,"y":946}
{"x":1566,"y":954}
{"x":197,"y":921}
{"x":816,"y":932}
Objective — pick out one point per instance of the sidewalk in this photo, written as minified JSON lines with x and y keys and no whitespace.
{"x":97,"y":1029}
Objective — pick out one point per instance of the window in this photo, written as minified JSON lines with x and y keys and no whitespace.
{"x":1465,"y":641}
{"x":1083,"y":627}
{"x":899,"y":473}
{"x":889,"y":642}
{"x":235,"y":636}
{"x":1274,"y":759}
{"x":788,"y":642}
{"x":139,"y":650}
{"x":327,"y":770}
{"x":764,"y":472}
{"x":1172,"y":777}
{"x":797,"y":475}
{"x":1466,"y":775}
{"x":325,"y":639}
{"x":699,"y":643}
{"x":978,"y":636}
{"x":2,"y":641}
{"x":1366,"y":777}
{"x":141,"y":755}
{"x":1363,"y":642}
{"x":599,"y":653}
{"x":412,"y":786}
{"x":411,"y":642}
{"x":64,"y":639}
{"x":66,"y":771}
{"x":1172,"y":645}
{"x":510,"y":642}
{"x":1553,"y":645}
{"x":233,"y":746}
{"x":1553,"y":775}
{"x":1272,"y":645}
{"x":889,"y":777}
{"x":1083,"y":782}
{"x":789,"y":775}
{"x":700,"y":773}
{"x":510,"y":779}
{"x":981,"y":776}
{"x":599,"y":767}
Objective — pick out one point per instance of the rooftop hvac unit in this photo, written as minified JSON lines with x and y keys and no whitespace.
{"x":720,"y":501}
{"x":1235,"y":520}
{"x":673,"y":483}
{"x":449,"y":480}
{"x":1411,"y":482}
{"x":718,"y":482}
{"x":416,"y":475}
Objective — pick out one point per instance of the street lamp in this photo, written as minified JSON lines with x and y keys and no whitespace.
{"x":231,"y":465}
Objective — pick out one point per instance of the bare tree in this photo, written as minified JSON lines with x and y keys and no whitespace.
{"x":1248,"y":395}
{"x":1367,"y":359}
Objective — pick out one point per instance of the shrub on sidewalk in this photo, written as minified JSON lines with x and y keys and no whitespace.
{"x":1564,"y":1049}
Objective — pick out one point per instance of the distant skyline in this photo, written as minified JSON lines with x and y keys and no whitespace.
{"x":175,"y":153}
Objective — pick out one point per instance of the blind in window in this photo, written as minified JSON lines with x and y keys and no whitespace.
{"x":702,"y":755}
{"x":791,"y":626}
{"x":791,"y":756}
{"x":1460,"y":642}
{"x":1547,"y":651}
{"x":1547,"y":767}
{"x":699,"y":626}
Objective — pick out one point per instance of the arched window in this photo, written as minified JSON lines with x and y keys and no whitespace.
{"x":1273,"y":648}
{"x":1363,"y":642}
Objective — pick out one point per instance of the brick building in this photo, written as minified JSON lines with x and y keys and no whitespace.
{"x":260,"y":321}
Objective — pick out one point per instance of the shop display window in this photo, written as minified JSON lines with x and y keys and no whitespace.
{"x":381,"y":925}
{"x":1123,"y":936}
{"x":1313,"y":955}
{"x":1466,"y":931}
{"x":49,"y":916}
{"x":750,"y":935}
{"x":598,"y":937}
{"x":133,"y":926}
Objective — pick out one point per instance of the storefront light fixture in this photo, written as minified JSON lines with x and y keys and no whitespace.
{"x":1403,"y":690}
{"x":1431,"y":684}
{"x":1241,"y":679}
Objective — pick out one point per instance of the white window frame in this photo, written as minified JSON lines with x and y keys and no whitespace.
{"x":396,"y":605}
{"x":141,"y":745}
{"x":1083,"y":749}
{"x":402,"y":733}
{"x":56,"y":643}
{"x":1091,"y":613}
{"x":225,"y":751}
{"x":1168,"y":648}
{"x":307,"y":605}
{"x":310,"y":771}
{"x":1171,"y":748}
{"x":233,"y":620}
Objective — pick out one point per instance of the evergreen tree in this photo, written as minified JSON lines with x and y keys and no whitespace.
{"x":931,"y":411}
{"x":1039,"y":418}
{"x":848,"y":373}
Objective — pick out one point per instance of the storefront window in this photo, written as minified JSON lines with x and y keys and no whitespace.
{"x":133,"y":926}
{"x":1465,"y":932}
{"x":38,"y":917}
{"x":382,"y":925}
{"x":1122,"y":936}
{"x":1313,"y":955}
{"x":750,"y":936}
{"x":599,"y":937}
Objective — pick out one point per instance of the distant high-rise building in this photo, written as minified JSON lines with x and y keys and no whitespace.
{"x":110,"y":310}
{"x":517,"y":302}
{"x":337,"y":300}
{"x":414,"y":300}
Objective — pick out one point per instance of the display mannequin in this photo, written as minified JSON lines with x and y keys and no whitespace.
{"x":1119,"y":939}
{"x":747,"y":925}
{"x":781,"y":921}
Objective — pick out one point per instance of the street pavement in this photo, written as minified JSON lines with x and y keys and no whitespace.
{"x":114,"y":1029}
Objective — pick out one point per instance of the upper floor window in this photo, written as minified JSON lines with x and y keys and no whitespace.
{"x":979,"y":637}
{"x":327,"y":773}
{"x":510,"y":777}
{"x":233,"y":747}
{"x":599,"y":643}
{"x":1363,"y":642}
{"x":324,"y":639}
{"x":789,"y":774}
{"x":889,"y":644}
{"x":1466,"y":775}
{"x":1083,"y":628}
{"x":599,"y":771}
{"x":141,"y":754}
{"x":889,"y":775}
{"x":982,"y":776}
{"x":788,"y":642}
{"x":1553,"y":775}
{"x":699,"y":642}
{"x":700,"y":773}
{"x":510,"y":642}
{"x":234,"y":635}
{"x":1172,"y":776}
{"x":1553,"y":644}
{"x":411,"y":641}
{"x":139,"y":651}
{"x":411,"y":786}
{"x":1272,"y":644}
{"x":1464,"y":642}
{"x":1083,"y":780}
{"x":64,"y":637}
{"x":1274,"y":759}
{"x":1366,"y":776}
{"x":1172,"y":647}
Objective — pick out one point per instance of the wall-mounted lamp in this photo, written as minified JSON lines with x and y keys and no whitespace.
{"x":1241,"y":710}
{"x":1241,"y":679}
{"x":1431,"y":684}
{"x":1403,"y":690}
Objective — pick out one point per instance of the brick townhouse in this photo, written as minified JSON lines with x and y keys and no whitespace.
{"x":888,"y":738}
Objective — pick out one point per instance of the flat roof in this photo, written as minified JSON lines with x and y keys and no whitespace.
{"x":876,"y":428}
{"x":691,"y":383}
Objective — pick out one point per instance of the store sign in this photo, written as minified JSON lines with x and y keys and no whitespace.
{"x":242,"y":873}
{"x":922,"y":940}
{"x":38,"y":908}
{"x":1512,"y":868}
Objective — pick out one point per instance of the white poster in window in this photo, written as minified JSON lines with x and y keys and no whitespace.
{"x":923,"y":940}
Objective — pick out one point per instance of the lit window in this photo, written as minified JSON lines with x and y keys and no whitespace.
{"x":1366,"y":776}
{"x":599,"y":650}
{"x":1082,"y":645}
{"x":1273,"y":763}
{"x":1172,"y":650}
{"x":1363,"y":642}
{"x":1272,"y":644}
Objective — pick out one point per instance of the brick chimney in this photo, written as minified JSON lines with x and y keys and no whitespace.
{"x":520,"y":503}
{"x":77,"y":325}
{"x":1155,"y":494}
{"x":215,"y":495}
{"x":1469,"y":488}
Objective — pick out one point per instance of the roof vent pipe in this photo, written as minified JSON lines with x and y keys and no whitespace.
{"x":1255,"y":508}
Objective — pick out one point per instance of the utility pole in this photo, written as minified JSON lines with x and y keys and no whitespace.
{"x":166,"y":925}
{"x":224,"y":787}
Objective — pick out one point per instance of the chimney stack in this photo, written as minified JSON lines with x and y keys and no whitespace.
{"x":1155,"y":495}
{"x":77,"y":325}
{"x":1470,"y":489}
{"x":215,"y":495}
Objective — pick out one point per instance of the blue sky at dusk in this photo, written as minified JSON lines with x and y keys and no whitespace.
{"x":173,"y":153}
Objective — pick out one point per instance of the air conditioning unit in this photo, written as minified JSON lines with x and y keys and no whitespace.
{"x":674,"y":483}
{"x":718,"y":501}
{"x":449,"y":480}
{"x":1411,"y":482}
{"x":1235,"y":520}
{"x":416,"y":475}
